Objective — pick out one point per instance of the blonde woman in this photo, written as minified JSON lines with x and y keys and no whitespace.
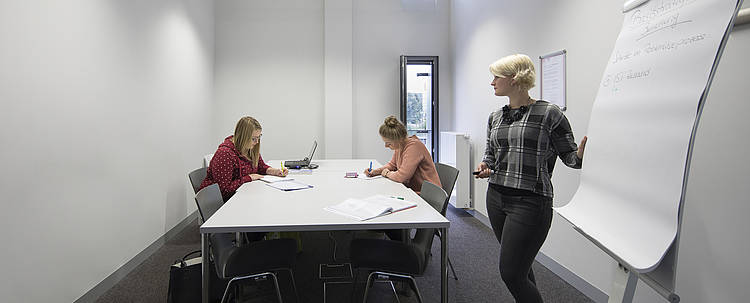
{"x":238,"y":160}
{"x":411,"y":162}
{"x":523,"y":140}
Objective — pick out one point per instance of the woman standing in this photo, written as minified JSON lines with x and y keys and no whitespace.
{"x":523,"y":140}
{"x":411,"y":162}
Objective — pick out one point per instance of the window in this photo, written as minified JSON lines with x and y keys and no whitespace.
{"x":419,"y":99}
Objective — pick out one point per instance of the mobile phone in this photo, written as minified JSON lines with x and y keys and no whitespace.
{"x":475,"y":173}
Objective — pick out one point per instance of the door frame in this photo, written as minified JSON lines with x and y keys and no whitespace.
{"x":433,"y":61}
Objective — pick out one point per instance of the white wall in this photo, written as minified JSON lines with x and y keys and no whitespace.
{"x":105,"y":107}
{"x":269,"y":65}
{"x":710,"y":266}
{"x":275,"y":52}
{"x":383,"y":31}
{"x":338,"y":79}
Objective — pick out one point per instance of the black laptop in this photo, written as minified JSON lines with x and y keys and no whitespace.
{"x":304,"y":162}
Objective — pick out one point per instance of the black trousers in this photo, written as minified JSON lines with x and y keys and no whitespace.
{"x":521,"y":220}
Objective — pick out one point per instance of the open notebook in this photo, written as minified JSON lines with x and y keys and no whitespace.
{"x":370,"y":207}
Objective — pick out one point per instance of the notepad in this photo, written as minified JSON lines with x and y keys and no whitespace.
{"x":365,"y":177}
{"x":289,"y":185}
{"x":370,"y":207}
{"x":272,"y":179}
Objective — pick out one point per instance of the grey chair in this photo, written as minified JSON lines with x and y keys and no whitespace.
{"x":257,"y":260}
{"x":448,"y":175}
{"x":196,"y":178}
{"x":397,"y":260}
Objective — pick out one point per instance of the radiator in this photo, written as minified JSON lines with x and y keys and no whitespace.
{"x":455,"y":150}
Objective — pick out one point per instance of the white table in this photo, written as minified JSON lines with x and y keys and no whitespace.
{"x":257,"y":207}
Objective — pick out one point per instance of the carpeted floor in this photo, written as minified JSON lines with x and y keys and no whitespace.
{"x":473,"y":250}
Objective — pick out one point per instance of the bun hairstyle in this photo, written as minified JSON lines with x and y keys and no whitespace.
{"x":392,"y":129}
{"x":243,"y":136}
{"x":518,"y":67}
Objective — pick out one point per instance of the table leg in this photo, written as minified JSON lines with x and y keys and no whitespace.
{"x":205,"y":262}
{"x":444,"y":265}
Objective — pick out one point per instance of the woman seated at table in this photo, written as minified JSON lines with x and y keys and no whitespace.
{"x":238,"y":160}
{"x":411,"y":163}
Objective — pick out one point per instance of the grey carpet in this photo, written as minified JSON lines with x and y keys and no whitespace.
{"x":474,"y":252}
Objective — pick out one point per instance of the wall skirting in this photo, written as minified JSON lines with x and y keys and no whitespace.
{"x":97,"y":291}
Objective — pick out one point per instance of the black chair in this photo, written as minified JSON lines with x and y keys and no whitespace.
{"x":196,"y":178}
{"x":396,"y":260}
{"x":448,"y":175}
{"x":257,"y":260}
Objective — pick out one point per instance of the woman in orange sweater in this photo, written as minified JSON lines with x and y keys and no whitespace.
{"x":411,"y":163}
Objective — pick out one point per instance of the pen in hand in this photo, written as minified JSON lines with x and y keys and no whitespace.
{"x":476,"y":173}
{"x":369,"y":171}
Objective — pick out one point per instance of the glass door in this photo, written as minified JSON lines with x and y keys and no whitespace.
{"x":419,"y":99}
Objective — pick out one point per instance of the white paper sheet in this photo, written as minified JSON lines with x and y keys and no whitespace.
{"x":289,"y":185}
{"x":640,"y":128}
{"x":552,"y":78}
{"x":272,"y":179}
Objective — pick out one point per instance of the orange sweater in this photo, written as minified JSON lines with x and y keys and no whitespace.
{"x":412,"y":164}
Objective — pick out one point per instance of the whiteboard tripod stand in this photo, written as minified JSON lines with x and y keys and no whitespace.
{"x":624,"y":280}
{"x":662,"y":278}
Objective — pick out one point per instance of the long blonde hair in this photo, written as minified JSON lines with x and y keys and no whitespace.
{"x":243,"y":136}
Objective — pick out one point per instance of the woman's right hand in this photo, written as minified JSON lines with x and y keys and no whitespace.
{"x":368,"y":172}
{"x":256,"y":177}
{"x":483,"y":169}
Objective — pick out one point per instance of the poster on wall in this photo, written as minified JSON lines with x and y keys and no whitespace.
{"x":552,"y":78}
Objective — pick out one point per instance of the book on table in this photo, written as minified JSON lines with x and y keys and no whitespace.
{"x":370,"y":207}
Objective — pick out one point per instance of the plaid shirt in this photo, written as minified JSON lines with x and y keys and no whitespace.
{"x":522,"y":152}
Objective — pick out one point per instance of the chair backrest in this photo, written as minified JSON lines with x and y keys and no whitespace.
{"x":448,"y":175}
{"x":209,"y":200}
{"x":432,"y":194}
{"x":207,"y":160}
{"x":196,"y":178}
{"x":437,"y":198}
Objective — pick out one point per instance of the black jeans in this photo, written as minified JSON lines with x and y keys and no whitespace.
{"x":521,"y":221}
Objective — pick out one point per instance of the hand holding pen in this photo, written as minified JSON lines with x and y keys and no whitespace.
{"x":283,"y":171}
{"x":368,"y":171}
{"x":483,"y":171}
